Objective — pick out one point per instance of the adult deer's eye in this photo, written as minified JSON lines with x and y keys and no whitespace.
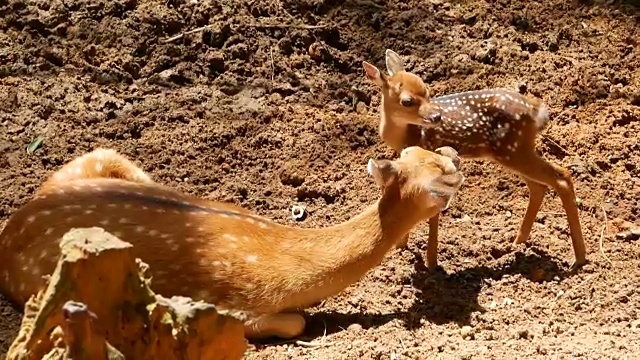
{"x":407,"y":101}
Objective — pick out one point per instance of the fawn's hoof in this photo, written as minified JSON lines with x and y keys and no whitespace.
{"x":577,"y":265}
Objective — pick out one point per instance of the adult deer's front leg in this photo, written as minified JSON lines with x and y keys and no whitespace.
{"x":282,"y":325}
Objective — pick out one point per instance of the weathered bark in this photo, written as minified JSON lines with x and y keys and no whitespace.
{"x":98,"y":305}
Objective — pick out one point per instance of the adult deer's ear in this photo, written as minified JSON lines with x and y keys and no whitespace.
{"x":394,"y":62}
{"x":384,"y":172}
{"x":374,"y":74}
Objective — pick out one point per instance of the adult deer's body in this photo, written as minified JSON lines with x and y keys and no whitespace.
{"x":495,"y":124}
{"x":220,"y":252}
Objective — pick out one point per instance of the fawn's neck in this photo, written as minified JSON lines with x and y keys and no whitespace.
{"x":328,"y":260}
{"x":396,"y":134}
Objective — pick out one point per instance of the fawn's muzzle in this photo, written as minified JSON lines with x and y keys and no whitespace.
{"x":432,"y":119}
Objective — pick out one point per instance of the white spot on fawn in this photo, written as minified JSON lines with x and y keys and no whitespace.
{"x":230,"y":237}
{"x":49,"y":231}
{"x":252,"y":258}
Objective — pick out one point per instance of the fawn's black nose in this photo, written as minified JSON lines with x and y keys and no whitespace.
{"x":433,"y":118}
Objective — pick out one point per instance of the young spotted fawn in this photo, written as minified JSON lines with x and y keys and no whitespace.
{"x":495,"y":124}
{"x":219,"y":252}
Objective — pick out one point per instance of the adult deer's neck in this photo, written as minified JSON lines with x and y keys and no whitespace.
{"x":328,"y":260}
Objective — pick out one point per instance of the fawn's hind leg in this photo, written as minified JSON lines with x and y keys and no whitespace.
{"x":99,"y":163}
{"x":282,"y":325}
{"x":547,"y":174}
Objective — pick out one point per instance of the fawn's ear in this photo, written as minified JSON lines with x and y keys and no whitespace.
{"x":383,"y":171}
{"x":445,"y":187}
{"x":394,"y":62}
{"x":373,"y":73}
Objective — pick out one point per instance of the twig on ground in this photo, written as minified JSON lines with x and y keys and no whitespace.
{"x":557,"y":145}
{"x":604,"y":226}
{"x":273,"y":69}
{"x":314,"y":344}
{"x":572,"y":290}
{"x":404,"y":348}
{"x":183,"y":34}
{"x":284,"y":26}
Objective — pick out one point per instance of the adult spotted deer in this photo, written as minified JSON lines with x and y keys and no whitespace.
{"x":219,"y":252}
{"x":496,"y":124}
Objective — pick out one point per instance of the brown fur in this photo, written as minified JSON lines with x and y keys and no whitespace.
{"x":496,"y":124}
{"x":216,"y":251}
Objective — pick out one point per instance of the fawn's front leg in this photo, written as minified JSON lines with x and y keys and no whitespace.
{"x":536,"y":196}
{"x":432,"y":244}
{"x":282,"y":325}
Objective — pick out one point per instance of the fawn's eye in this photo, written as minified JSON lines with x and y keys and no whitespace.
{"x":407,"y":101}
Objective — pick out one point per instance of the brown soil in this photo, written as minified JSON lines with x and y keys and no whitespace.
{"x":268,"y":116}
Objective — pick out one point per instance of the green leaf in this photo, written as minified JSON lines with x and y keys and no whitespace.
{"x":35,"y":144}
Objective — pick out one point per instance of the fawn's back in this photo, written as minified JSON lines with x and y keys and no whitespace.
{"x":493,"y":122}
{"x":496,"y":123}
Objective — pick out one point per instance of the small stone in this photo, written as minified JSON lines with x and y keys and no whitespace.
{"x":523,"y":334}
{"x":507,"y":301}
{"x":298,"y":212}
{"x":355,"y":327}
{"x":467,"y":332}
{"x":633,"y":234}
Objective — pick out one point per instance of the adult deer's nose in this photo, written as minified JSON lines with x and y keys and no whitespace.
{"x":451,"y":153}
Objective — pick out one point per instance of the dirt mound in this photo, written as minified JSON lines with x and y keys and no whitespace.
{"x":268,"y":107}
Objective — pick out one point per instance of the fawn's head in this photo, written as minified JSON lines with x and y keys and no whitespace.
{"x":405,"y":96}
{"x":428,"y":179}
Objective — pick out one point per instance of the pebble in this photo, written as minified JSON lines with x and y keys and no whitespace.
{"x":467,"y":332}
{"x":354,"y":327}
{"x":507,"y":301}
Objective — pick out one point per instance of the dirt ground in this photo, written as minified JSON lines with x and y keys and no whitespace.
{"x":268,"y":107}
